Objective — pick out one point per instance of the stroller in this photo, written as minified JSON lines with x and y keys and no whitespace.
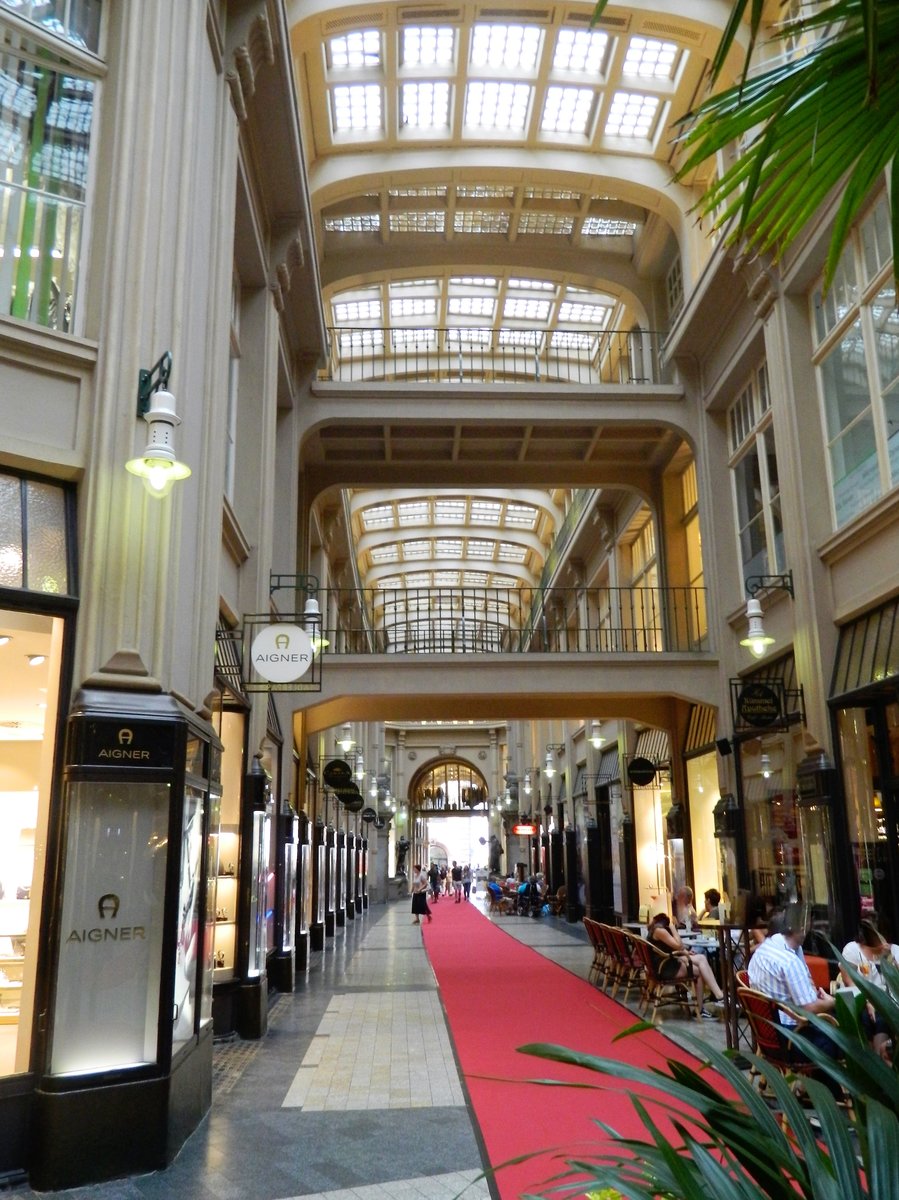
{"x":530,"y":901}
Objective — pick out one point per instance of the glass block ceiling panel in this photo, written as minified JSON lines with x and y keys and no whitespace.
{"x":550,"y":223}
{"x":581,"y":50}
{"x":417,"y":222}
{"x":480,"y":221}
{"x":632,"y":115}
{"x":425,"y":105}
{"x":649,"y":58}
{"x":428,"y":46}
{"x":506,"y":47}
{"x":356,"y":107}
{"x":362,"y":48}
{"x":449,"y":512}
{"x":602,"y":227}
{"x":494,"y":105}
{"x":567,"y":109}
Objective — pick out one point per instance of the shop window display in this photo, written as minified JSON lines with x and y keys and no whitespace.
{"x":30,"y":649}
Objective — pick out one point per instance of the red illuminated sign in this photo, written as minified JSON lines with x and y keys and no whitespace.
{"x":525,"y":830}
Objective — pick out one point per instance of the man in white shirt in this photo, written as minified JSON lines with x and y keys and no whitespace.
{"x":778,"y":969}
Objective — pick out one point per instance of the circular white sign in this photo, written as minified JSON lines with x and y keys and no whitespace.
{"x":281,"y":653}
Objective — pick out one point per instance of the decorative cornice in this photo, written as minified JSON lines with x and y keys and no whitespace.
{"x":125,"y":670}
{"x":292,"y":259}
{"x":255,"y":52}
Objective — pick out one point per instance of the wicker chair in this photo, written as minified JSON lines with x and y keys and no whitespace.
{"x":762,"y":1014}
{"x":628,"y":969}
{"x":659,"y":992}
{"x":599,"y":965}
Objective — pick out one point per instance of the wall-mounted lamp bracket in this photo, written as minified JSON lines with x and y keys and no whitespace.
{"x":156,"y":379}
{"x":765,"y":583}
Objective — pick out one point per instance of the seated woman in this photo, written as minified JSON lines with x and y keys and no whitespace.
{"x":866,"y":954}
{"x":681,"y":964}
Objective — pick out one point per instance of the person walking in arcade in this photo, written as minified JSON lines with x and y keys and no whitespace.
{"x":419,"y":895}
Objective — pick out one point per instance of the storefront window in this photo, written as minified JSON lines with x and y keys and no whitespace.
{"x":654,"y":870}
{"x":30,"y":656}
{"x":78,"y":21}
{"x":46,"y":114}
{"x":702,"y":784}
{"x":773,"y":839}
{"x":864,"y":810}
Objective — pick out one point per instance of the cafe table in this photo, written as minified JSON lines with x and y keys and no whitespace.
{"x":733,"y":942}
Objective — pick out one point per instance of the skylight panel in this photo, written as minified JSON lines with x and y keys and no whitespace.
{"x":379,"y":516}
{"x":425,"y":105}
{"x":648,"y":58}
{"x":360,"y":339}
{"x":383,"y":554}
{"x":412,"y":283}
{"x":448,"y":512}
{"x":509,"y":552}
{"x":356,"y":107}
{"x":603,"y":227}
{"x":469,"y":337}
{"x":360,"y":223}
{"x":413,"y":512}
{"x":533,"y":285}
{"x":471,"y":306}
{"x":417,"y":222}
{"x":486,"y":511}
{"x":421,"y":548}
{"x":474,"y":579}
{"x":485,"y":281}
{"x":481,"y":549}
{"x":429,"y":46}
{"x":581,"y":50}
{"x":449,"y":547}
{"x":520,"y":337}
{"x":436,"y":190}
{"x":413,"y":306}
{"x":510,"y":47}
{"x":501,"y":581}
{"x":446,"y":579}
{"x":413,"y":337}
{"x":567,"y":109}
{"x":535,"y":222}
{"x":493,"y":105}
{"x":632,"y":115}
{"x":420,"y":579}
{"x":357,"y":310}
{"x":538,"y":193}
{"x":362,"y":48}
{"x":523,"y":308}
{"x":583,"y":314}
{"x":563,"y":339}
{"x":485,"y":191}
{"x":522,"y":515}
{"x":480,"y":221}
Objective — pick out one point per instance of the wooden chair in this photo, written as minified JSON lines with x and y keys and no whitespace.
{"x":762,"y":1014}
{"x":628,"y":968}
{"x":659,"y":992}
{"x":600,"y":951}
{"x":558,"y":902}
{"x":819,"y":969}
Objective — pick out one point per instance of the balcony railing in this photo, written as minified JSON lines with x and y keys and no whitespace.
{"x":471,"y":355}
{"x":473,"y":620}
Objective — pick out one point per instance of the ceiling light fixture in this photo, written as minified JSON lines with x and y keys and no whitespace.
{"x":346,"y":741}
{"x":596,"y":737}
{"x":756,"y":640}
{"x":35,"y":660}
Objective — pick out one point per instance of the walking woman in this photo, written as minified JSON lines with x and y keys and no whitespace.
{"x":419,"y":895}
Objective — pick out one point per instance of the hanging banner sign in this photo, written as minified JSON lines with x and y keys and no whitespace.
{"x":758,"y":705}
{"x":281,"y":653}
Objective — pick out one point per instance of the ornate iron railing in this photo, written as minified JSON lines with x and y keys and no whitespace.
{"x":473,"y":355}
{"x":473,"y":620}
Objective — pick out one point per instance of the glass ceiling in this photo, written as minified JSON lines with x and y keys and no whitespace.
{"x":458,"y":154}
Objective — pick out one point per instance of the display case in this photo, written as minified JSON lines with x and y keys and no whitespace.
{"x":12,"y":966}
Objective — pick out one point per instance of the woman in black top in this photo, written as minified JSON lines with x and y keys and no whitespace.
{"x":682,"y":964}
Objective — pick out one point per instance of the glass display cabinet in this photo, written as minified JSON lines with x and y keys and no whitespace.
{"x":129,"y":1020}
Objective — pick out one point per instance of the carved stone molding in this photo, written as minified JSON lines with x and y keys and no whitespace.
{"x":124,"y":670}
{"x":256,"y":51}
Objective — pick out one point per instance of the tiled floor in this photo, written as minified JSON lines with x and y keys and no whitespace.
{"x":354,"y":1092}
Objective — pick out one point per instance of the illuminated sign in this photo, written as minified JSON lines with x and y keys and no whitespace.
{"x":281,"y":653}
{"x":128,"y":744}
{"x":525,"y":830}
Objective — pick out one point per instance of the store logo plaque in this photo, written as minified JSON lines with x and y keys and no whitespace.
{"x":281,"y":653}
{"x":131,"y":744}
{"x":758,"y":705}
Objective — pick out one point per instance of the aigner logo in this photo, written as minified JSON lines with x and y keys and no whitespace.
{"x":108,"y":908}
{"x":125,"y":738}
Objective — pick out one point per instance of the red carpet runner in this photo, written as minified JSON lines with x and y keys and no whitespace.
{"x":499,"y":994}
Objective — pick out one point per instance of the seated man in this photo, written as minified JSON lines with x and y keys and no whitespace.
{"x":778,"y":969}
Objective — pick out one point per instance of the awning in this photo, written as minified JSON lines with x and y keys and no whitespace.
{"x":227,"y":660}
{"x":868,"y":651}
{"x":580,"y":784}
{"x":781,"y":672}
{"x":609,"y":766}
{"x":701,"y":728}
{"x":653,"y":744}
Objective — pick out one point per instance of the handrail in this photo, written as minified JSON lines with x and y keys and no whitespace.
{"x":488,"y":355}
{"x":476,"y":620}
